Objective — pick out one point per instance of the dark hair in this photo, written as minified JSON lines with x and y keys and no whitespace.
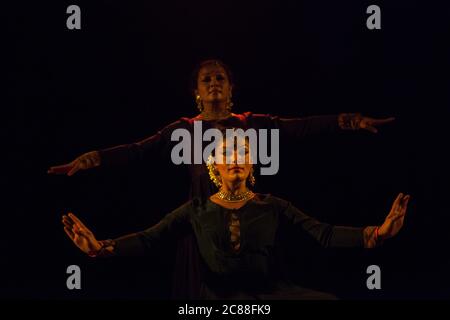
{"x":194,"y":77}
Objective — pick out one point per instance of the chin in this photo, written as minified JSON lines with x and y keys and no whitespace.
{"x":216,"y":99}
{"x":237,"y":177}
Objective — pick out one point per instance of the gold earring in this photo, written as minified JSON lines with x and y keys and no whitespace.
{"x":199,"y":103}
{"x":230,"y":103}
{"x":212,"y":172}
{"x":251,"y":178}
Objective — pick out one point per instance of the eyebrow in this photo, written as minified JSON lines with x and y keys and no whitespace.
{"x":210,"y":73}
{"x":237,"y":148}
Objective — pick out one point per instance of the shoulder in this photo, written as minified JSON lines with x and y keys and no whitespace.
{"x":257,"y":116}
{"x":183,"y":122}
{"x":180,"y":124}
{"x":183,"y":210}
{"x":269,"y":199}
{"x":166,"y":131}
{"x":197,"y":204}
{"x":261,"y":120}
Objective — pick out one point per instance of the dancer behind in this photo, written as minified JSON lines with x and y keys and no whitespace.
{"x":212,"y":86}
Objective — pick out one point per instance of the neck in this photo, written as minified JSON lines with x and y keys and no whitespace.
{"x":234,"y":188}
{"x":214,"y":111}
{"x":238,"y":194}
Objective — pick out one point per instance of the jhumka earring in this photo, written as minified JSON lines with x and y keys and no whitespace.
{"x":199,"y":103}
{"x":212,"y":172}
{"x":229,"y":103}
{"x":251,"y":178}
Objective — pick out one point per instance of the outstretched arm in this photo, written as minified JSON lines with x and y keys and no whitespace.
{"x":299,"y":128}
{"x":173,"y":224}
{"x":341,"y":236}
{"x":114,"y":156}
{"x":120,"y":155}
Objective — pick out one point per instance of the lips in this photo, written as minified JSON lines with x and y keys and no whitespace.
{"x":236,"y":168}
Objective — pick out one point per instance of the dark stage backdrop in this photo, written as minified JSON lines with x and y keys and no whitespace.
{"x":125,"y":75}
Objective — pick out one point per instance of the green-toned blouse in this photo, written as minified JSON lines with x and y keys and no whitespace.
{"x":264,"y":221}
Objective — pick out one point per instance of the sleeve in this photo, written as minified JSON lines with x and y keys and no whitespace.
{"x":158,"y":144}
{"x":172,"y":225}
{"x":327,"y":235}
{"x":299,"y":128}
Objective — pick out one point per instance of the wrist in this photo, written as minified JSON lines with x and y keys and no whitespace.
{"x":105,"y":248}
{"x":372,"y":238}
{"x":380,"y":236}
{"x":349,"y":121}
{"x":95,"y":158}
{"x":377,"y":234}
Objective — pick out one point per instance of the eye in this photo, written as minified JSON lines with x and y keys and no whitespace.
{"x":220,"y":77}
{"x":243,"y":151}
{"x":227,"y":152}
{"x":206,"y":79}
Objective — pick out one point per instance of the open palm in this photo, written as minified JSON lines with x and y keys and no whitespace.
{"x":394,"y":220}
{"x":80,"y":234}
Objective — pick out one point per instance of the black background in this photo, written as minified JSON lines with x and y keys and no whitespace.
{"x":126,"y":74}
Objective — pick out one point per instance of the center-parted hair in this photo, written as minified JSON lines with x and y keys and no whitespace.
{"x":195,"y":73}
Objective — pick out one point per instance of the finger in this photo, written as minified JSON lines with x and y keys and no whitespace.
{"x":396,"y":205}
{"x":77,"y":221}
{"x":398,"y":214}
{"x":84,"y":164}
{"x":402,"y":203}
{"x":397,"y":200}
{"x":371,"y":129}
{"x":397,"y":217}
{"x":405,"y":200}
{"x":408,"y":197}
{"x":75,"y":228}
{"x":67,"y":219}
{"x":81,"y":232}
{"x":85,"y":234}
{"x":69,"y":233}
{"x":75,"y":168}
{"x":60,"y":169}
{"x":405,"y":203}
{"x":67,"y":224}
{"x":377,"y":122}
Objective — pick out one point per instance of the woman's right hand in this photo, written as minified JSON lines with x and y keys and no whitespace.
{"x":80,"y":234}
{"x":85,"y":161}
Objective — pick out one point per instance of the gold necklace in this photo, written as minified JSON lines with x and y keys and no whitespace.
{"x":230,"y":197}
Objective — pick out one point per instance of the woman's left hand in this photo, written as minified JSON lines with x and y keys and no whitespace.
{"x":395,"y":218}
{"x":356,"y":121}
{"x":370,"y":124}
